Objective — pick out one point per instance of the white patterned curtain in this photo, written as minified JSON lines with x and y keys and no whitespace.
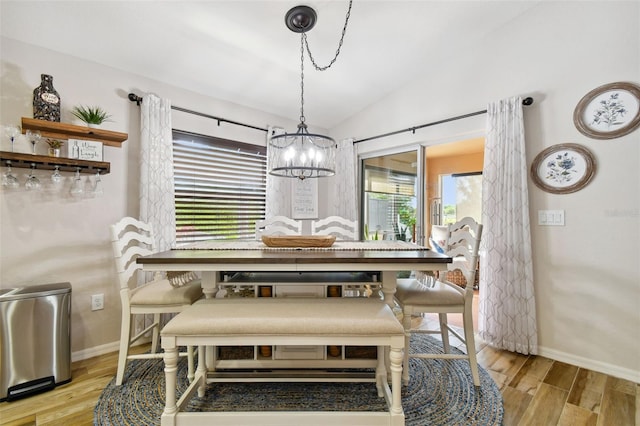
{"x":343,"y":197}
{"x":507,"y":310}
{"x":156,"y":170}
{"x":278,"y":202}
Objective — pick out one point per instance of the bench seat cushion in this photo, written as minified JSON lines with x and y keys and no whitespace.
{"x":282,"y":316}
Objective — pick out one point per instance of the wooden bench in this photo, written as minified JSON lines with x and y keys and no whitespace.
{"x":273,"y":321}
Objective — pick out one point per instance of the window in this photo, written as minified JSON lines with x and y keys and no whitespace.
{"x":220,"y":187}
{"x":461,"y":197}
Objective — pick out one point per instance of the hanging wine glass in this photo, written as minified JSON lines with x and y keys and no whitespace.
{"x":56,"y":177}
{"x":98,"y":191}
{"x":9,"y":180}
{"x":12,"y":132}
{"x":34,"y":137}
{"x":33,"y":183}
{"x":77,"y":188}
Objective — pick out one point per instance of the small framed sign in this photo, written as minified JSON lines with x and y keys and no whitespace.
{"x":304,"y":199}
{"x":84,"y":150}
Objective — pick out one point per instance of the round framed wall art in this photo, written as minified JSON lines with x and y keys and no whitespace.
{"x":563,"y":168}
{"x":609,"y":111}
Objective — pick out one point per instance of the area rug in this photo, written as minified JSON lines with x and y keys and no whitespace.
{"x":440,"y":392}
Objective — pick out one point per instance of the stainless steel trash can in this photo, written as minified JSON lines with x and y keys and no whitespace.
{"x":35,"y":339}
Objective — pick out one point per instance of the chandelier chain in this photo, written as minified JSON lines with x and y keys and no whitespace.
{"x":344,"y":30}
{"x":302,"y":118}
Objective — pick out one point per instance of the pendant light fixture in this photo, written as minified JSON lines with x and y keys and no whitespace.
{"x":302,"y":154}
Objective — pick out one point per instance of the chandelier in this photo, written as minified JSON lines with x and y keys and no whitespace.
{"x":302,"y":154}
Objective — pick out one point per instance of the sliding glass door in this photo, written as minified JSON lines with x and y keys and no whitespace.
{"x":392,"y":188}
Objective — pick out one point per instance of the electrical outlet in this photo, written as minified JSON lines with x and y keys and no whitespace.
{"x":97,"y":302}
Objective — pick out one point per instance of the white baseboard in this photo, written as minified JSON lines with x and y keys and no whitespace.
{"x":95,"y":351}
{"x":101,"y":350}
{"x":601,"y":367}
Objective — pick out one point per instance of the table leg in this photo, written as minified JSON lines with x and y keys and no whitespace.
{"x":202,"y":372}
{"x":210,"y":288}
{"x":389,"y":287}
{"x":209,"y":284}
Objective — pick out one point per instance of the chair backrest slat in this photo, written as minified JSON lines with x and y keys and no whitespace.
{"x":463,"y":244}
{"x":130,"y":239}
{"x":340,"y":227}
{"x":278,"y":225}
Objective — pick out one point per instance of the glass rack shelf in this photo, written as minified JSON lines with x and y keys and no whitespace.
{"x":45,"y":162}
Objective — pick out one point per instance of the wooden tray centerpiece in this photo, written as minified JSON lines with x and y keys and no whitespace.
{"x":298,"y":240}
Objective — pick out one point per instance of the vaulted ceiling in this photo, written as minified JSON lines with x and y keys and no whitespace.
{"x":241,"y":51}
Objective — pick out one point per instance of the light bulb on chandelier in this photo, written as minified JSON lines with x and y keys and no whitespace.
{"x":302,"y":154}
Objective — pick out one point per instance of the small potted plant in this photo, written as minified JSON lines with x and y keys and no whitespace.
{"x":54,"y":147}
{"x":92,"y":115}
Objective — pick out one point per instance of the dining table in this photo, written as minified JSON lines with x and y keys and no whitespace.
{"x":214,"y":259}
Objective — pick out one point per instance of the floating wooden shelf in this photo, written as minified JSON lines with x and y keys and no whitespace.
{"x":55,"y":130}
{"x":44,"y":162}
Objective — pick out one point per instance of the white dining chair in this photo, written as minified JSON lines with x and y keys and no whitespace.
{"x":130,"y":239}
{"x":443,"y":297}
{"x":340,"y":227}
{"x":278,"y":225}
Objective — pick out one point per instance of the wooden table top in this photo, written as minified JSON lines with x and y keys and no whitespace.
{"x":202,"y":257}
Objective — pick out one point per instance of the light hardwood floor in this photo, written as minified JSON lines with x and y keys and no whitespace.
{"x":536,"y":391}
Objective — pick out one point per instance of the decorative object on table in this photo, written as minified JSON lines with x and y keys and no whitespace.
{"x":12,"y":133}
{"x":609,"y":111}
{"x":84,"y":150}
{"x":54,"y":147}
{"x":34,"y":137}
{"x":9,"y":180}
{"x":302,"y":154}
{"x":298,"y":241}
{"x":93,"y":116}
{"x":46,"y":100}
{"x":563,"y":168}
{"x":440,"y":392}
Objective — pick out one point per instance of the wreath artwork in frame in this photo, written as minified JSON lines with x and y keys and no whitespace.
{"x":609,"y":111}
{"x":563,"y":168}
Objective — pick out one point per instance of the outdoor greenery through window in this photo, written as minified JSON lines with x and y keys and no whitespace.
{"x":461,"y":197}
{"x":220,"y":187}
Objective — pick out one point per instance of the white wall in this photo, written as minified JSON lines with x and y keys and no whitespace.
{"x":50,"y":237}
{"x":587,"y":273}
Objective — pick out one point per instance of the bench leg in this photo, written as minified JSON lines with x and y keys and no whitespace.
{"x":395,"y":355}
{"x":170,"y":372}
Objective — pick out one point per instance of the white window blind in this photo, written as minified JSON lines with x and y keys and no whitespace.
{"x":220,"y":187}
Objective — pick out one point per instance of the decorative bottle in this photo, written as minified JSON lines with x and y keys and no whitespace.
{"x":46,"y":101}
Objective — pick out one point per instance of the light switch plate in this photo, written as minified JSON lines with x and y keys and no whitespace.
{"x":551,"y":217}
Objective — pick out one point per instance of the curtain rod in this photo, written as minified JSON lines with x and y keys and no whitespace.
{"x":138,"y":100}
{"x":525,"y":101}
